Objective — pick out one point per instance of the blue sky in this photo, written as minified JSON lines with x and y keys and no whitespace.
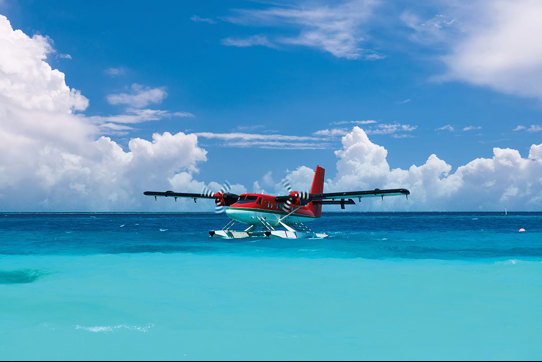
{"x":405,"y":72}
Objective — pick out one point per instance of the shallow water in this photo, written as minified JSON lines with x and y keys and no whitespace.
{"x":382,"y":286}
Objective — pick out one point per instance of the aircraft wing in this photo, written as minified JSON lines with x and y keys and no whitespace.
{"x":177,"y":194}
{"x":358,"y":194}
{"x":221,"y":198}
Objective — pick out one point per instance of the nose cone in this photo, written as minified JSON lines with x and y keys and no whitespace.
{"x":231,"y":213}
{"x":239,"y":215}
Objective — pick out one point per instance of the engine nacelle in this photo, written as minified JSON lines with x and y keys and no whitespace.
{"x":225,"y":199}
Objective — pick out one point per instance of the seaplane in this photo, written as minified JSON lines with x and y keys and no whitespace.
{"x":282,"y":216}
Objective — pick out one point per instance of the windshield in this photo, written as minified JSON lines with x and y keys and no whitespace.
{"x":246,"y":199}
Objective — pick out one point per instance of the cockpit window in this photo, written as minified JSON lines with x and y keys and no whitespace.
{"x":247,"y":199}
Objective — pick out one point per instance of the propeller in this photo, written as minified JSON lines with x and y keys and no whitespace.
{"x":287,"y":206}
{"x":219,"y":209}
{"x":293,"y":197}
{"x":287,"y":185}
{"x":206,"y":192}
{"x":222,"y":198}
{"x":226,"y":187}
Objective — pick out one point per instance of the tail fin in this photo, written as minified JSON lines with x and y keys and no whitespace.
{"x":317,"y":188}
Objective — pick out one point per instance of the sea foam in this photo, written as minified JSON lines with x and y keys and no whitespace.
{"x":108,"y":329}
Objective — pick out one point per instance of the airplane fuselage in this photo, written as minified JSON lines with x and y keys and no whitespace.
{"x":252,"y":208}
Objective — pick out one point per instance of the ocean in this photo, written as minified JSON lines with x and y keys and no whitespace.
{"x":382,"y":286}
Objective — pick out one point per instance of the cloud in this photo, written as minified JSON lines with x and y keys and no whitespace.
{"x":499,"y":46}
{"x":483,"y":42}
{"x":471,"y":128}
{"x":252,"y":127}
{"x":139,"y":116}
{"x":300,"y":179}
{"x":253,"y":40}
{"x":106,"y":177}
{"x":33,"y":90}
{"x":337,"y":29}
{"x":331,"y":132}
{"x":396,"y":130}
{"x":198,"y":19}
{"x":279,"y":145}
{"x":240,"y":139}
{"x":254,"y":136}
{"x":428,"y":31}
{"x":52,"y":157}
{"x":266,"y":181}
{"x":55,"y":158}
{"x":445,"y":128}
{"x":266,"y":141}
{"x":140,"y":96}
{"x":391,"y":129}
{"x":320,"y":139}
{"x":115,"y":72}
{"x":487,"y":43}
{"x":534,"y":128}
{"x":369,"y":121}
{"x":506,"y":180}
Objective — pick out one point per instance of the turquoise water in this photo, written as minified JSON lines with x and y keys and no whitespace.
{"x":382,"y":286}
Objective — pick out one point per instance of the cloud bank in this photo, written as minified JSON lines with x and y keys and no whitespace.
{"x":505,"y":181}
{"x":52,"y":158}
{"x":55,"y":158}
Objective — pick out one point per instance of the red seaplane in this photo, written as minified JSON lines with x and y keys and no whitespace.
{"x":288,"y":212}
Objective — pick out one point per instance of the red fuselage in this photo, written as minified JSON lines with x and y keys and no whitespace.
{"x":267,"y":203}
{"x":253,"y":208}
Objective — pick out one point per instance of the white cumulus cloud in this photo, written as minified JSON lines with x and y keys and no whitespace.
{"x":506,"y":180}
{"x":27,"y":80}
{"x":54,"y":159}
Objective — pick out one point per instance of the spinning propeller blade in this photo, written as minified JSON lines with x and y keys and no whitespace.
{"x":226,"y":187}
{"x":224,"y":198}
{"x":287,"y":185}
{"x":219,"y":209}
{"x":287,"y":206}
{"x":205,"y":192}
{"x":294,"y":196}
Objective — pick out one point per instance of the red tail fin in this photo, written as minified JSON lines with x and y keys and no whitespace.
{"x":317,"y":188}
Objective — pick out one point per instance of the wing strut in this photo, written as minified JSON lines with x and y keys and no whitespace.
{"x":291,"y":212}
